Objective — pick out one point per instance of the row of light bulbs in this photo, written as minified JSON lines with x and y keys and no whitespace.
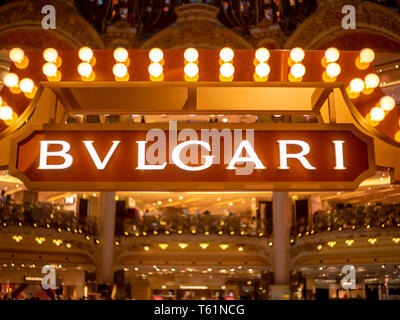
{"x":350,"y":242}
{"x":184,"y":245}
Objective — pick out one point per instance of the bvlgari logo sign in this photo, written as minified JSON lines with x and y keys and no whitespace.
{"x":193,"y":157}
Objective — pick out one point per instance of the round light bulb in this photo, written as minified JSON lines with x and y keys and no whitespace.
{"x":85,"y":54}
{"x":191,"y":55}
{"x":371,"y":80}
{"x":227,"y":70}
{"x":120,"y":70}
{"x":49,"y":69}
{"x":297,"y":54}
{"x":226,"y":54}
{"x":262,"y":70}
{"x":17,"y":55}
{"x":357,"y":85}
{"x":121,"y":54}
{"x":332,"y":55}
{"x":377,"y":114}
{"x":85,"y":69}
{"x":156,"y":55}
{"x":298,"y":70}
{"x":6,"y":113}
{"x":155,"y":70}
{"x":26,"y":85}
{"x":333,"y":69}
{"x":191,"y":70}
{"x":262,"y":54}
{"x":387,"y":103}
{"x":50,"y":55}
{"x":11,"y":80}
{"x":367,"y":55}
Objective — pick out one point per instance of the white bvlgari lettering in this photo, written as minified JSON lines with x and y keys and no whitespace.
{"x":252,"y":156}
{"x":142,"y":159}
{"x":339,"y":154}
{"x":45,"y":153}
{"x":176,"y":155}
{"x":284,"y":156}
{"x":100,"y":165}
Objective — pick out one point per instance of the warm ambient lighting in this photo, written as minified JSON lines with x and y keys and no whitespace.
{"x":191,"y":72}
{"x":396,"y":240}
{"x":191,"y":55}
{"x":51,"y":55}
{"x":297,"y":72}
{"x":6,"y":113}
{"x":204,"y":245}
{"x":163,"y":246}
{"x":11,"y":80}
{"x":332,"y":55}
{"x":156,"y":55}
{"x":146,"y":248}
{"x":120,"y":72}
{"x":86,"y":71}
{"x":371,"y":82}
{"x":331,"y":243}
{"x":296,"y":55}
{"x":226,"y":55}
{"x":121,"y":55}
{"x":377,"y":114}
{"x":332,"y":71}
{"x":28,"y":87}
{"x":349,"y":242}
{"x":372,"y":240}
{"x":40,"y":240}
{"x":51,"y":71}
{"x":387,"y":103}
{"x":240,"y":249}
{"x":356,"y":86}
{"x":224,"y":246}
{"x":183,"y":245}
{"x":365,"y":58}
{"x":17,"y":238}
{"x":17,"y":55}
{"x":156,"y":71}
{"x":262,"y":71}
{"x":226,"y":72}
{"x":57,"y":242}
{"x":262,"y":55}
{"x":86,"y":55}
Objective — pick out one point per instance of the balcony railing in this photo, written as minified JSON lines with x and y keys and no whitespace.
{"x":368,"y":217}
{"x":45,"y":216}
{"x":192,"y":224}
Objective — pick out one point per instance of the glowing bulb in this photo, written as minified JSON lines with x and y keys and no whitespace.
{"x":387,"y":103}
{"x":155,"y":69}
{"x":156,"y":55}
{"x":85,"y":69}
{"x":263,"y":70}
{"x":17,"y":55}
{"x":227,"y":70}
{"x":262,"y":54}
{"x":121,"y":54}
{"x":191,"y":70}
{"x":191,"y":55}
{"x":6,"y":113}
{"x":371,"y":80}
{"x":377,"y":114}
{"x":298,"y":70}
{"x":333,"y":69}
{"x":50,"y":55}
{"x":367,"y":55}
{"x":332,"y":55}
{"x":49,"y":69}
{"x":226,"y":54}
{"x":357,"y":85}
{"x":85,"y":54}
{"x":120,"y":70}
{"x":11,"y":80}
{"x":297,"y":54}
{"x":26,"y":85}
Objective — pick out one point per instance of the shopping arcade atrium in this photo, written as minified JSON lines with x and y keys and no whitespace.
{"x":369,"y":195}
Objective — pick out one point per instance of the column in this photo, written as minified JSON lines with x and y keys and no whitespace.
{"x":106,"y":221}
{"x":281,"y":216}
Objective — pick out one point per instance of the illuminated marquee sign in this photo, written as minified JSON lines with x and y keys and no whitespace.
{"x":193,"y":157}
